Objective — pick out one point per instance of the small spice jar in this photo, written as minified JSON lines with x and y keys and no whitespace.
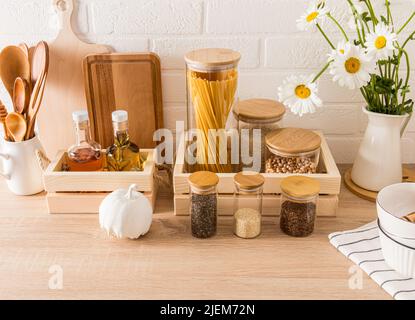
{"x":263,"y":114}
{"x":292,"y":150}
{"x":203,"y":203}
{"x":248,"y":196}
{"x":298,"y":205}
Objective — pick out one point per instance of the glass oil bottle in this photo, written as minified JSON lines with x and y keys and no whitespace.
{"x":85,"y":155}
{"x":123,"y":155}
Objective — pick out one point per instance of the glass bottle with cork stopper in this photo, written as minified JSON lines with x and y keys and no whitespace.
{"x":299,"y":205}
{"x":262,"y":114}
{"x":123,"y":155}
{"x":292,"y":150}
{"x":248,"y":196}
{"x":85,"y":155}
{"x":212,"y":82}
{"x":203,"y":203}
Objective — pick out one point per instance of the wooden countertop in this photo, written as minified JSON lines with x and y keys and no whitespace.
{"x":169,"y":263}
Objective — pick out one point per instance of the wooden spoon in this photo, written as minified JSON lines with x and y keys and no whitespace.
{"x":13,"y":64}
{"x":23,"y":46}
{"x":21,"y":95}
{"x":38,"y":62}
{"x":17,"y":126}
{"x":3,"y":116}
{"x":39,"y":72}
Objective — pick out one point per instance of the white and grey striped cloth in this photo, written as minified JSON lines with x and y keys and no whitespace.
{"x":362,"y":246}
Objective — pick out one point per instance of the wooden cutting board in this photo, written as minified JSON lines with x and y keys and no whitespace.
{"x":130,"y":82}
{"x":64,"y":92}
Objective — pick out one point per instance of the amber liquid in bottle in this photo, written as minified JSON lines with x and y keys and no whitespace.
{"x":123,"y":155}
{"x":85,"y":155}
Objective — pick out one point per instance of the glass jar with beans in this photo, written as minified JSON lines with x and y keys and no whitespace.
{"x":292,"y":150}
{"x":203,"y":203}
{"x":263,"y":114}
{"x":298,"y":205}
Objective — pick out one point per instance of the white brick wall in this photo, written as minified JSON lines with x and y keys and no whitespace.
{"x":264,"y":31}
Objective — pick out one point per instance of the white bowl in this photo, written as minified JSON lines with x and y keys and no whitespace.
{"x":398,"y":256}
{"x":405,"y":241}
{"x":393,"y":203}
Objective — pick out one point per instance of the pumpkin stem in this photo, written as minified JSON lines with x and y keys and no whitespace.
{"x":132,"y":188}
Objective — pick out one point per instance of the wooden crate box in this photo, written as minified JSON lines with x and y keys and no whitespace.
{"x":82,"y":192}
{"x":328,"y":175}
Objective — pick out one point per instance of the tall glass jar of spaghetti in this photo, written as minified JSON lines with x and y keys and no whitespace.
{"x":212,"y":82}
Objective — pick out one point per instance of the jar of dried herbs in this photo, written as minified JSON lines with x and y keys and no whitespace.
{"x":248,"y":196}
{"x":298,"y":205}
{"x":203,"y":203}
{"x":257,"y":114}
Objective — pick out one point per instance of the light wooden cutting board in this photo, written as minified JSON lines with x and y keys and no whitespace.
{"x":64,"y":92}
{"x":127,"y":81}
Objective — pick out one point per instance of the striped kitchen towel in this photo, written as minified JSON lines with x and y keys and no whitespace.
{"x":362,"y":246}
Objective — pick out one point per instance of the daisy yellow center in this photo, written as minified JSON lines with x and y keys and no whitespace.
{"x":312,"y":16}
{"x":380,"y":42}
{"x":302,"y":91}
{"x":352,"y":65}
{"x":341,"y":51}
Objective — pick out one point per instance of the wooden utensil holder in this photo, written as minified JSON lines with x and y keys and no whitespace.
{"x":327,"y":174}
{"x":82,"y":192}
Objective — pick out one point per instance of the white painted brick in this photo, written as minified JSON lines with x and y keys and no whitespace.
{"x":344,"y":149}
{"x":25,"y":17}
{"x":252,"y":16}
{"x":174,"y":87}
{"x":172,"y":50}
{"x":296,"y":52}
{"x":173,"y":113}
{"x":331,"y":119}
{"x":147,"y":17}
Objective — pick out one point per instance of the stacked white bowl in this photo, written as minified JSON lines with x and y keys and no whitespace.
{"x":397,"y":236}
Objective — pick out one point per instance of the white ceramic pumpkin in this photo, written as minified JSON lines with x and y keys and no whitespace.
{"x":126,"y":213}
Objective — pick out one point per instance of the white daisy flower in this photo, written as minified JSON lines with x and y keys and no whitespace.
{"x":299,"y":94}
{"x":341,"y":49}
{"x":380,"y":42}
{"x":313,"y":15}
{"x":353,"y":68}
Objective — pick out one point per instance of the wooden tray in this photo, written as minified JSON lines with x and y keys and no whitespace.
{"x":131,"y":82}
{"x":329,"y":177}
{"x":82,"y":192}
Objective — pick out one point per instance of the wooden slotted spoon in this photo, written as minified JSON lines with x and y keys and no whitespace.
{"x":13,"y":64}
{"x":3,"y":115}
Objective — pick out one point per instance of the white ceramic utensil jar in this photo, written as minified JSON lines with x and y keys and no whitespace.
{"x":21,"y":168}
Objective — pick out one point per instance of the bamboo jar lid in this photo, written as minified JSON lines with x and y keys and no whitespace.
{"x":212,"y":57}
{"x":248,"y":180}
{"x":203,"y":180}
{"x":259,"y":110}
{"x":293,"y":140}
{"x":300,"y":187}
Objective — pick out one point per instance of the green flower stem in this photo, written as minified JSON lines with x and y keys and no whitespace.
{"x":406,"y":23}
{"x":322,"y":71}
{"x":356,"y":16}
{"x":390,"y":17}
{"x":339,"y":26}
{"x":325,"y":36}
{"x":372,"y":12}
{"x":408,"y":39}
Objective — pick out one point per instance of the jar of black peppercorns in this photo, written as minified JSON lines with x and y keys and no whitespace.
{"x":298,"y":205}
{"x":203,"y":203}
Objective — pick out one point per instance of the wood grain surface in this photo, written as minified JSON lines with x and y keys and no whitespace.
{"x":169,"y":263}
{"x":64,"y":92}
{"x":130,"y":82}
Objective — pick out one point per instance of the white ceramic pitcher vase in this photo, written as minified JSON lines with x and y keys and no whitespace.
{"x":21,"y":167}
{"x":378,"y":163}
